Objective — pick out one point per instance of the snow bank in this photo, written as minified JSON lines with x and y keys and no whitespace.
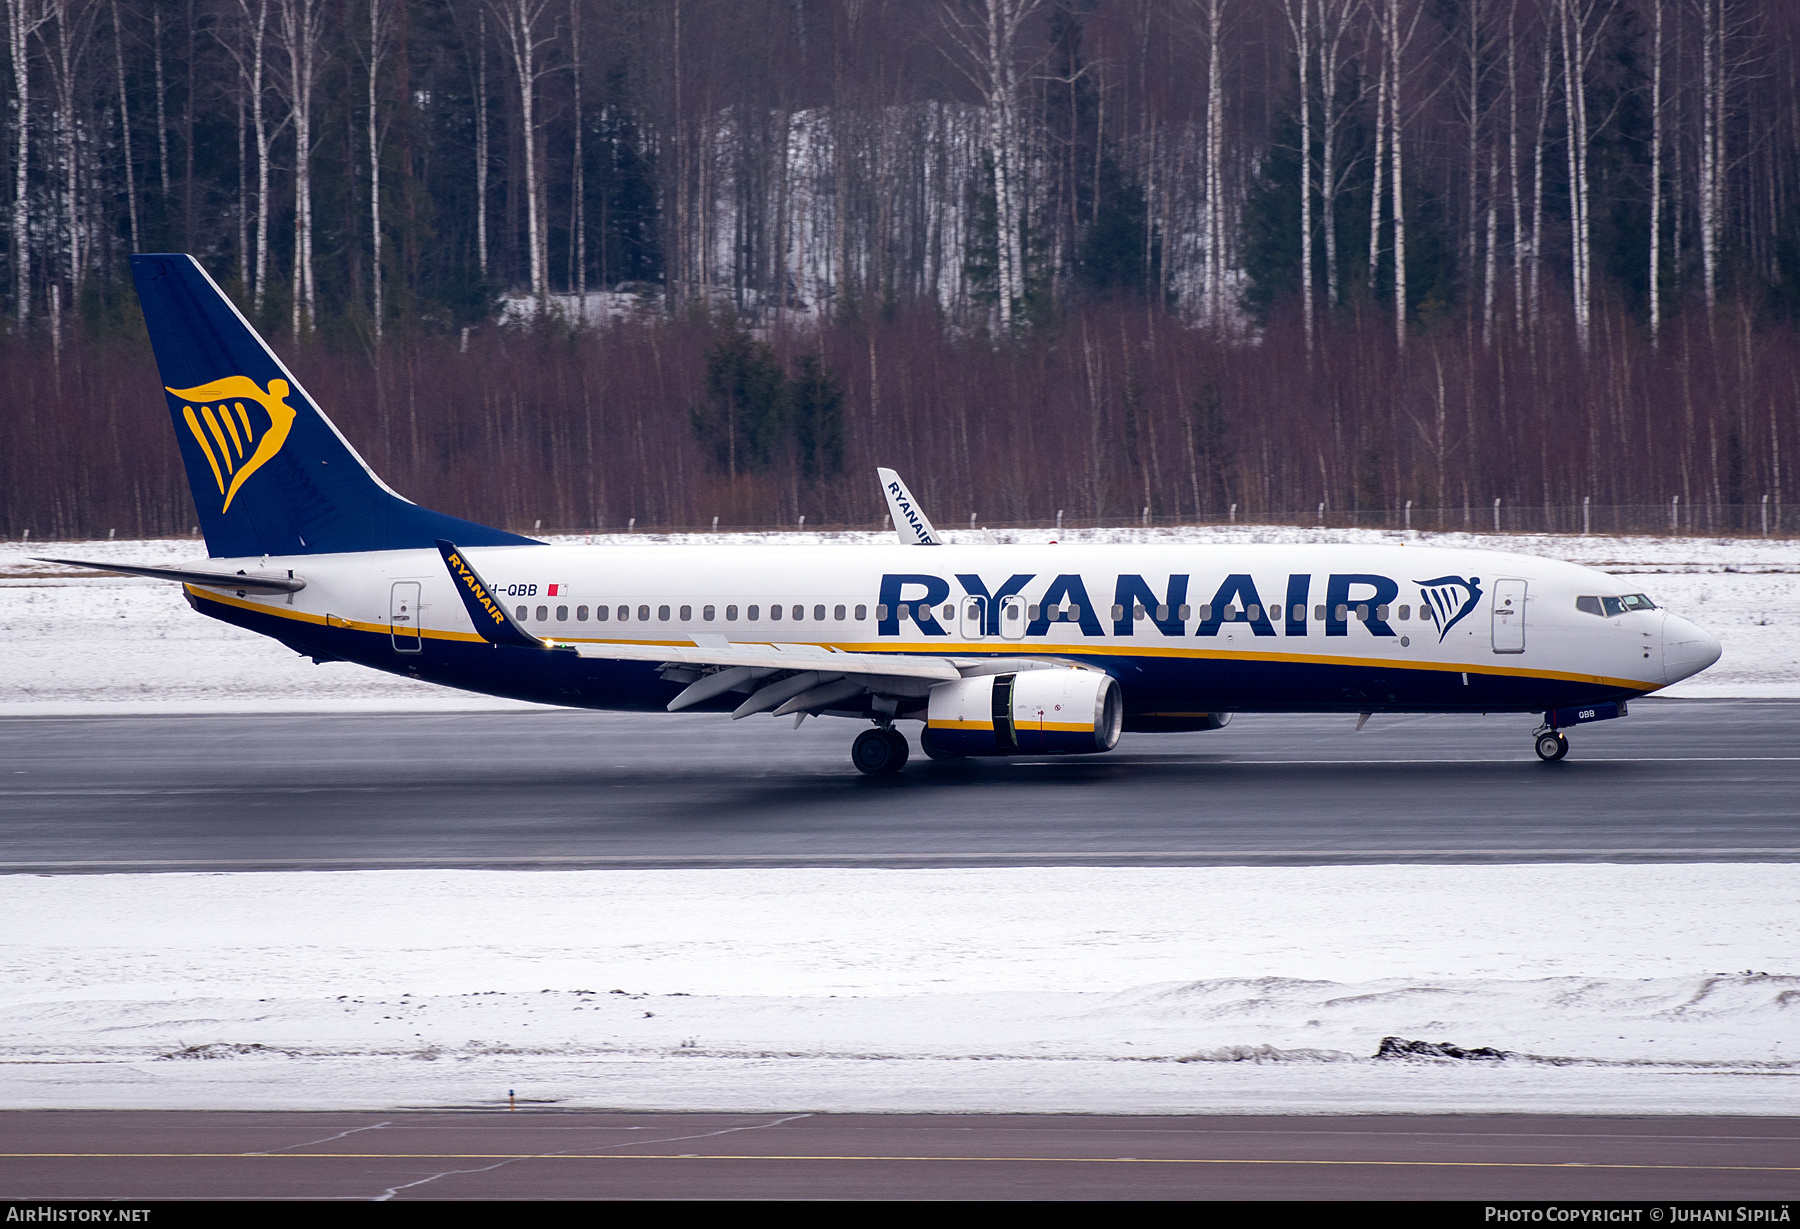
{"x":1608,"y":988}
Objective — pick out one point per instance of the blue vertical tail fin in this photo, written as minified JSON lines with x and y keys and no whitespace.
{"x":270,"y":474}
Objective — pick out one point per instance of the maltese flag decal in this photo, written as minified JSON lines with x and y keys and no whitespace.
{"x":559,"y":591}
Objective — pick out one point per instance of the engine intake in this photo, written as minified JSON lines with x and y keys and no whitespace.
{"x":1035,"y":712}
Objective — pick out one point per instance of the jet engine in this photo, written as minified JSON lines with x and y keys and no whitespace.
{"x":1033,"y":712}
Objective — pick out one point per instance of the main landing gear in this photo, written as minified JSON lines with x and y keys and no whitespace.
{"x":1552,"y":745}
{"x":880,"y":750}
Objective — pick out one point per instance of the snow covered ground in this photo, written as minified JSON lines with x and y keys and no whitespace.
{"x":87,"y":644}
{"x":1641,"y":989}
{"x":1629,"y":989}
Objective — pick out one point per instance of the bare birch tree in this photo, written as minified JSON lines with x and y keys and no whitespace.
{"x":1211,"y":213}
{"x":1656,"y":173}
{"x":1512,"y":164}
{"x":301,"y":29}
{"x":1215,"y":154}
{"x":1377,"y":189}
{"x":74,"y":26}
{"x":1298,"y":16}
{"x":1396,"y":34}
{"x":1716,"y":81}
{"x":1334,"y":24}
{"x":481,"y":144}
{"x":379,"y":40}
{"x":23,"y":20}
{"x":578,"y":170}
{"x":1475,"y":42}
{"x":250,"y":51}
{"x":1578,"y":46}
{"x":131,"y":203}
{"x":522,"y":22}
{"x":988,"y":43}
{"x":162,"y":96}
{"x":1535,"y":262}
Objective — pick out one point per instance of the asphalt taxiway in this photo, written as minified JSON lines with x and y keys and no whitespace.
{"x":46,"y":1155}
{"x":1675,"y":781}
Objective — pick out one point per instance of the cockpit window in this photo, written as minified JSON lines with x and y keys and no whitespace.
{"x":1610,"y":606}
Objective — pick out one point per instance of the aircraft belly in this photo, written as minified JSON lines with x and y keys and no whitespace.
{"x":544,"y":677}
{"x":1249,"y":684}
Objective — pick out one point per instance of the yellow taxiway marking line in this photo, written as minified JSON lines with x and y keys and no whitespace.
{"x":663,"y":1156}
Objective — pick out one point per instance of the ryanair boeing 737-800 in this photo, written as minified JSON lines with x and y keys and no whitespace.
{"x":998,"y":650}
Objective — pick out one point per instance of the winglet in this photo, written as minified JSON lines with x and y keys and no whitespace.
{"x":910,"y":521}
{"x":485,"y":611}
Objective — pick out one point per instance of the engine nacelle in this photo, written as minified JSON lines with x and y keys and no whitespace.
{"x":1034,"y":712}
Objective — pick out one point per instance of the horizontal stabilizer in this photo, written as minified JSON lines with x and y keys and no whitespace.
{"x":486,"y":611}
{"x":247,"y":582}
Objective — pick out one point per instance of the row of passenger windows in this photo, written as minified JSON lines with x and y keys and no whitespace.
{"x":708,"y":614}
{"x":1608,"y":606}
{"x":921,"y":612}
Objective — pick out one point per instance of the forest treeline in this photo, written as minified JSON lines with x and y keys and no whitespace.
{"x":581,"y":262}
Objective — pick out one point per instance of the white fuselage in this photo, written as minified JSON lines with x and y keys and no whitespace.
{"x":1161,"y":616}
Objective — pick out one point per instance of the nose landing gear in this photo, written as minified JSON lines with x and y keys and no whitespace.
{"x":879,"y":751}
{"x":1551,"y":745}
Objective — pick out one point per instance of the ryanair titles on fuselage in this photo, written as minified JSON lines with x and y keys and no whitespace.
{"x":1363,"y":597}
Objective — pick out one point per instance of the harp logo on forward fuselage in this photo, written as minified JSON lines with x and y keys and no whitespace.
{"x":1452,"y":598}
{"x":236,"y":438}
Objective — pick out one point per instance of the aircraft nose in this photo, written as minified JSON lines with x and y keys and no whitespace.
{"x":1687,"y":649}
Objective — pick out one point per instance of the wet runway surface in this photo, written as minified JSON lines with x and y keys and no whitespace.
{"x":578,"y":1155}
{"x":1674,"y":781}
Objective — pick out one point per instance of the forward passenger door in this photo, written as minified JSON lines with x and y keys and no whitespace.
{"x":1509,"y":616}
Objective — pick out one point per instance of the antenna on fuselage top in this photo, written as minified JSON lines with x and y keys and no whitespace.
{"x":910,"y":521}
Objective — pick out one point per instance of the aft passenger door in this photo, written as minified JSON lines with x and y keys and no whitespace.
{"x":1509,"y":616}
{"x":403,"y":616}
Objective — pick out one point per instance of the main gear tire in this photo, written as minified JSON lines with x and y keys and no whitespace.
{"x":876,"y":752}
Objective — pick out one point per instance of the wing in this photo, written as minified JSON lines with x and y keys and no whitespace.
{"x":788,"y":678}
{"x":803,"y":678}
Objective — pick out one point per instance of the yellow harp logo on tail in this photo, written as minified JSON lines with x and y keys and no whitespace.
{"x":236,"y":440}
